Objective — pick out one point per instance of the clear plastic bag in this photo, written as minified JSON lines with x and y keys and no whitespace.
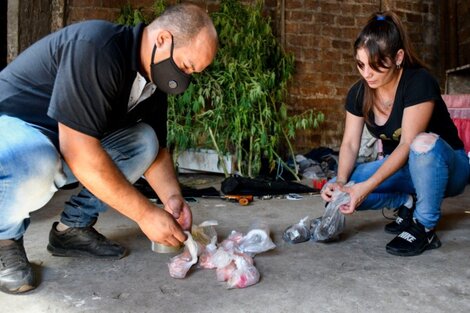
{"x":221,"y":258}
{"x":257,"y":239}
{"x":205,"y":232}
{"x":329,"y":226}
{"x":206,"y":259}
{"x":245,"y":274}
{"x":180,"y":264}
{"x":232,"y":264}
{"x":226,"y":272}
{"x":297,"y":233}
{"x":232,"y":242}
{"x":206,"y":235}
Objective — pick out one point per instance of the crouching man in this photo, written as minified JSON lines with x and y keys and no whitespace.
{"x":89,"y":104}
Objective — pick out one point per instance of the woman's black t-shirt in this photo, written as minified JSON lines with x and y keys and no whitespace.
{"x":415,"y":86}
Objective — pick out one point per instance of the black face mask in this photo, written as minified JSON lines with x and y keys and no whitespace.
{"x":167,"y":75}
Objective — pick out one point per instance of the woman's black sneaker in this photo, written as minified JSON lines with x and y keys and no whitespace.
{"x":83,"y":242}
{"x":403,"y":220}
{"x":16,"y":275}
{"x":413,"y":241}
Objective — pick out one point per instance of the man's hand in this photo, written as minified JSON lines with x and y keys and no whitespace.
{"x":160,"y":226}
{"x":162,"y":177}
{"x":180,"y":210}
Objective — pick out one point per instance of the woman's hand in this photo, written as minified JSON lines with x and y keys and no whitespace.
{"x":327,"y":190}
{"x":357,"y":192}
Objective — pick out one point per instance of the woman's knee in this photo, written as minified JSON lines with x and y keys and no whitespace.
{"x":424,"y":142}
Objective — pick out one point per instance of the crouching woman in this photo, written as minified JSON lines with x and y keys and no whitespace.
{"x":399,"y":102}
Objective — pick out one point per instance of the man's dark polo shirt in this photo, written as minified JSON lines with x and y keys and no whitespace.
{"x":81,"y":76}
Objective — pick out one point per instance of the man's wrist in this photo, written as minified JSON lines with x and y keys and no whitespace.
{"x":141,"y":214}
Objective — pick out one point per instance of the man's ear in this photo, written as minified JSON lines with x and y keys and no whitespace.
{"x":163,"y":38}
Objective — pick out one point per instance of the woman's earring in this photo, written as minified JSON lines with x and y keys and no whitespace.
{"x":398,"y":66}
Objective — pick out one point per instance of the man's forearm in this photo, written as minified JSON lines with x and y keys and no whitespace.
{"x":161,"y":176}
{"x":106,"y":182}
{"x":93,"y":167}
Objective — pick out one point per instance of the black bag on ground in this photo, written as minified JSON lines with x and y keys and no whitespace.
{"x":143,"y":186}
{"x":237,"y":185}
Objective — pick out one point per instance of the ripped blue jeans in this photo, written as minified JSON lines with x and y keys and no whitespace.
{"x":32,"y":170}
{"x":434,"y":171}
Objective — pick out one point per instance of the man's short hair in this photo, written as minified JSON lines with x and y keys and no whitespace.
{"x":184,"y":21}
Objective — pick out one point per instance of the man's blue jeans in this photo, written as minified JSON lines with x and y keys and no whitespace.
{"x":32,"y":170}
{"x":433,"y":175}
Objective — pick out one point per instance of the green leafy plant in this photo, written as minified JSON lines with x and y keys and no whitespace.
{"x":130,"y":16}
{"x":237,"y":105}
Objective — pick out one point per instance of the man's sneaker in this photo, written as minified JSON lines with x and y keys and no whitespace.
{"x":413,"y":241}
{"x":83,"y":241}
{"x":403,"y":220}
{"x":16,"y":275}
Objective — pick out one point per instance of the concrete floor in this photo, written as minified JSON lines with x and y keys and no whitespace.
{"x":353,"y":275}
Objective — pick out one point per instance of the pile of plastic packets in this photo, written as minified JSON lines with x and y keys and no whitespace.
{"x":325,"y":228}
{"x":232,"y":259}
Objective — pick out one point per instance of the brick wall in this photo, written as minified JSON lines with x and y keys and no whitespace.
{"x":320,"y":33}
{"x":79,"y":10}
{"x":463,"y":26}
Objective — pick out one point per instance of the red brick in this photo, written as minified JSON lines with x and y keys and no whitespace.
{"x":81,"y":14}
{"x":299,"y":40}
{"x":341,"y":44}
{"x":116,"y":3}
{"x":311,"y":53}
{"x":299,"y":16}
{"x":414,"y":18}
{"x":352,"y":8}
{"x":292,"y":27}
{"x":369,"y":9}
{"x":269,"y":3}
{"x":345,"y":20}
{"x":313,"y":5}
{"x":294,"y":4}
{"x":84,"y":3}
